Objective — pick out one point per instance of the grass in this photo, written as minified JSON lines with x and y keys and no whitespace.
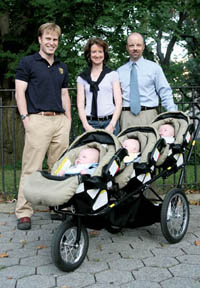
{"x":188,"y":182}
{"x":10,"y":191}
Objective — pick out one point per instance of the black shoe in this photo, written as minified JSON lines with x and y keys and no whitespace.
{"x":24,"y":223}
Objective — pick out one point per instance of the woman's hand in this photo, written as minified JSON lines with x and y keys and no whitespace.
{"x":88,"y":128}
{"x":110,"y":128}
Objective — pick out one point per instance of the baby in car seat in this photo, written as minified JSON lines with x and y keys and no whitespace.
{"x":167,"y":132}
{"x":86,"y":162}
{"x":133,"y":148}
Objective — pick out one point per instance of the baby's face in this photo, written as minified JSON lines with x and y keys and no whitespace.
{"x":166,"y":130}
{"x":87,"y":156}
{"x":132,"y":145}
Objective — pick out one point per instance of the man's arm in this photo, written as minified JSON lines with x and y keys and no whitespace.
{"x":164,"y":91}
{"x":66,"y":103}
{"x":20,"y":89}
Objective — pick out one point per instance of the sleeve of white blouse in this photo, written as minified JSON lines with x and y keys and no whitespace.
{"x":115,"y":76}
{"x":80,"y":80}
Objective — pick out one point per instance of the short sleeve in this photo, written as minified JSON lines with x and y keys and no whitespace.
{"x":80,"y":80}
{"x":23,"y":71}
{"x":66,"y":78}
{"x":115,"y":76}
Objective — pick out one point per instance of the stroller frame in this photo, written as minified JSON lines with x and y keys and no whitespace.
{"x":70,"y":241}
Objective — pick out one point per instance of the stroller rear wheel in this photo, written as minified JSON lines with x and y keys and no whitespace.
{"x":174,"y":215}
{"x":66,"y":253}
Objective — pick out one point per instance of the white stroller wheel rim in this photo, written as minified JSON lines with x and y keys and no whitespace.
{"x":174,"y":215}
{"x":69,"y":251}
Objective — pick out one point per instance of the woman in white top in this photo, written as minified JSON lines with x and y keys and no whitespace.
{"x":99,"y":98}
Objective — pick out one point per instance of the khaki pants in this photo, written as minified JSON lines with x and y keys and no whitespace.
{"x":44,"y":135}
{"x":127,"y":119}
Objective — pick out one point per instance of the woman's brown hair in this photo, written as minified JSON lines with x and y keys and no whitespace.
{"x":99,"y":42}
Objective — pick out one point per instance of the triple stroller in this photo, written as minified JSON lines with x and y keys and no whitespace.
{"x":113,"y":197}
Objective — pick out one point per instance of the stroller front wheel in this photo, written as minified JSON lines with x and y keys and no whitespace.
{"x":174,"y":215}
{"x":66,"y":253}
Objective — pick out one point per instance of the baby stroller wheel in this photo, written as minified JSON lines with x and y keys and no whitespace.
{"x":174,"y":215}
{"x":66,"y":253}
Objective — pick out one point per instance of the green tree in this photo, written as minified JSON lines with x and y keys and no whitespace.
{"x":161,"y":22}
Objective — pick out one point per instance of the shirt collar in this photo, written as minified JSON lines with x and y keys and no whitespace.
{"x":138,"y":62}
{"x":38,"y":57}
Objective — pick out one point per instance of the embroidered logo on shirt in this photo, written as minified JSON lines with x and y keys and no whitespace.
{"x":61,"y":70}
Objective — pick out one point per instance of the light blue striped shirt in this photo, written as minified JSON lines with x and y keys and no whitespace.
{"x":152,"y":85}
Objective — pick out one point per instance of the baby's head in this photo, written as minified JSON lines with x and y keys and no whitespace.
{"x":88,"y":156}
{"x":132,"y":145}
{"x":167,"y":130}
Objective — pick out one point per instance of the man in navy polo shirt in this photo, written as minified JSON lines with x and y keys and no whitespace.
{"x":43,"y":102}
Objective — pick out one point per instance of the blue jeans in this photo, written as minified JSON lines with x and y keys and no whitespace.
{"x":103,"y":124}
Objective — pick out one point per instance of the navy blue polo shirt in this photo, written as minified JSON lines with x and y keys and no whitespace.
{"x":45,"y":82}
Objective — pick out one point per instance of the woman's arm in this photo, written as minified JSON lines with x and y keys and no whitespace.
{"x":81,"y":107}
{"x":118,"y":106}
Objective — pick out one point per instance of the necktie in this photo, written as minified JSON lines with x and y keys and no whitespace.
{"x":134,"y":92}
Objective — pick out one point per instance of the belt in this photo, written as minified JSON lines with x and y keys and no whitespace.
{"x":49,"y":113}
{"x":99,"y":118}
{"x":143,"y":108}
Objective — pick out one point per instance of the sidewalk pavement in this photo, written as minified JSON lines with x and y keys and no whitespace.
{"x":133,"y":258}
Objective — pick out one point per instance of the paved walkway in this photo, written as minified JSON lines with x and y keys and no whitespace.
{"x":138,"y":258}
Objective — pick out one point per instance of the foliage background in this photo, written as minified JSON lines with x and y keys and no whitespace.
{"x":163,"y":23}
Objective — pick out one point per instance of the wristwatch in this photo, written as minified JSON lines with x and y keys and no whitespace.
{"x":23,"y":116}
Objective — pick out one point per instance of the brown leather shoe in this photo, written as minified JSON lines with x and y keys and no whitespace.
{"x":24,"y":223}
